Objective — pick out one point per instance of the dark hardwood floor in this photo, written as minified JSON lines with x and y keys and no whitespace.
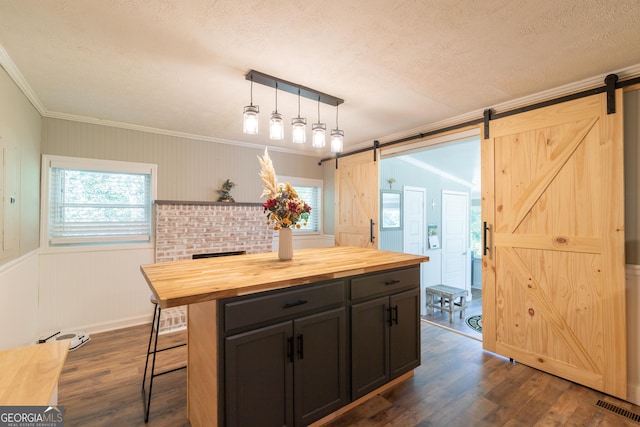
{"x":457,"y":385}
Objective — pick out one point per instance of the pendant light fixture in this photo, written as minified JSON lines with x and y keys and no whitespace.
{"x":318,"y":131}
{"x":299,"y":125}
{"x":250,"y":116}
{"x":337,"y":137}
{"x":276,"y":127}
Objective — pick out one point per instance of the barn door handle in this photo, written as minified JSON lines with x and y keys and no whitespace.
{"x":486,"y":229}
{"x":371,"y":236}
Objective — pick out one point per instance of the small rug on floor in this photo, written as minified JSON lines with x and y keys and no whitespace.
{"x":474,"y":322}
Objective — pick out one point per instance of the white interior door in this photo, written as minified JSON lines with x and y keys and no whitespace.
{"x":413,"y":220}
{"x":456,"y":263}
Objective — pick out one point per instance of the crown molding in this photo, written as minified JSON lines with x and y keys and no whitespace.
{"x":7,"y":64}
{"x":185,"y":135}
{"x":18,"y":78}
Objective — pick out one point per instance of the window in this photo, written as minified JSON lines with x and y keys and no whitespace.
{"x":309,"y":190}
{"x":97,"y":201}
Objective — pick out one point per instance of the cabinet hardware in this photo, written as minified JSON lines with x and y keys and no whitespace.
{"x":290,"y":349}
{"x":300,"y":347}
{"x":391,"y":282}
{"x":389,"y":320}
{"x":395,"y":316}
{"x":295,"y":304}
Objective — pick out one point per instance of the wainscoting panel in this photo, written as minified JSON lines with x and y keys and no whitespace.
{"x":93,"y":291}
{"x":19,"y":302}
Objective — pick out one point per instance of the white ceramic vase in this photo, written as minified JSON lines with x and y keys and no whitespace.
{"x":285,"y":244}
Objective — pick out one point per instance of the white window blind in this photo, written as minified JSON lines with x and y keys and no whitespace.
{"x":99,"y":206}
{"x":311,"y":195}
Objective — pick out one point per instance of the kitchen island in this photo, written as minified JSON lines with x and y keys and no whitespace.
{"x":245,"y":310}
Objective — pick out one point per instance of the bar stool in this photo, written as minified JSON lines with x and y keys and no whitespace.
{"x":155,"y":324}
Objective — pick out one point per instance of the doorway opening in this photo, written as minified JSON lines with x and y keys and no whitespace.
{"x":439,"y":183}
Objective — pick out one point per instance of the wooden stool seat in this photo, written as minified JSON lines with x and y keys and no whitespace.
{"x":444,"y":298}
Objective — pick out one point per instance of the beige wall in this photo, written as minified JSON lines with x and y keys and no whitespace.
{"x":188,"y":170}
{"x":632,"y":175}
{"x":20,"y":127}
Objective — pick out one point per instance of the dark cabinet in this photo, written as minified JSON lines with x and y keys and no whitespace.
{"x":291,"y":356}
{"x":290,"y":373}
{"x":385,"y":329}
{"x":259,"y":377}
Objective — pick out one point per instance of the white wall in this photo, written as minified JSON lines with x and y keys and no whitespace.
{"x":93,"y":291}
{"x":19,"y":301}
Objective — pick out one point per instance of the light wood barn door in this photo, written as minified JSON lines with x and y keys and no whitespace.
{"x":553,"y":279}
{"x":356,"y":199}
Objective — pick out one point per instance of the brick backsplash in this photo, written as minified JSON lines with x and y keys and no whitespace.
{"x":184,"y":229}
{"x":187,"y":228}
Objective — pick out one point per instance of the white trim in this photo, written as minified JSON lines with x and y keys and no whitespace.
{"x":427,"y":142}
{"x":49,"y":161}
{"x":17,"y":261}
{"x":20,"y":81}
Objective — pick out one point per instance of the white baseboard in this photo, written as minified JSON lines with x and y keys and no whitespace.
{"x":112,"y":325}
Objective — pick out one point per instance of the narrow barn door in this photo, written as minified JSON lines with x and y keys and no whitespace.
{"x":356,"y":199}
{"x":553,"y":273}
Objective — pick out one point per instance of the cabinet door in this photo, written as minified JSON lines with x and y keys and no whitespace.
{"x":369,"y":346}
{"x":259,"y":377}
{"x":320,"y":377}
{"x":404,"y":333}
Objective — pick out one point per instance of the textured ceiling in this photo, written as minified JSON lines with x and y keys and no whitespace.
{"x":400,"y":66}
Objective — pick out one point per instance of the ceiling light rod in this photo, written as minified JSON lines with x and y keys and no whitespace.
{"x":294,"y":88}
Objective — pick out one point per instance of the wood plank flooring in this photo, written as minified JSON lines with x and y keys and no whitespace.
{"x":457,"y":385}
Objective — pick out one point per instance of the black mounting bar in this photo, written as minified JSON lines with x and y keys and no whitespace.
{"x":267,"y":80}
{"x":611,"y":83}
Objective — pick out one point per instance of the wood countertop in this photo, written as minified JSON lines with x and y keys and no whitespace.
{"x":29,"y":375}
{"x":192,"y":281}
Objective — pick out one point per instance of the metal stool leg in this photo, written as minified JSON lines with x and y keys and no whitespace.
{"x":155,"y":323}
{"x":147,"y":402}
{"x":146,"y":363}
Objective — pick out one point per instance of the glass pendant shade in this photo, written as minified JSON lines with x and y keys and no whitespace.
{"x":318,"y":130}
{"x":337,"y":140}
{"x":299,"y":131}
{"x":276,"y":126}
{"x":250,"y":120}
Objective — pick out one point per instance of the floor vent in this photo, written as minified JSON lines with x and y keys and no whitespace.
{"x":618,"y":410}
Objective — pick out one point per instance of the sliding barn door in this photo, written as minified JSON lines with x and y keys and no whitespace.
{"x":356,"y":198}
{"x":553,"y":277}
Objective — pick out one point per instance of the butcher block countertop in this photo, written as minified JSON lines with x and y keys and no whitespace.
{"x":29,"y":375}
{"x":193,"y":281}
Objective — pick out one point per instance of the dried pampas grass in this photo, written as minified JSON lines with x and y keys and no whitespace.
{"x":268,"y":176}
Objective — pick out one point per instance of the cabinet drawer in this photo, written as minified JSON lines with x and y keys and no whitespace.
{"x":260,"y":309}
{"x":385,"y":283}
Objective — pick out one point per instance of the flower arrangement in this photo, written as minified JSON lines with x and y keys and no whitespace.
{"x":284,"y":208}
